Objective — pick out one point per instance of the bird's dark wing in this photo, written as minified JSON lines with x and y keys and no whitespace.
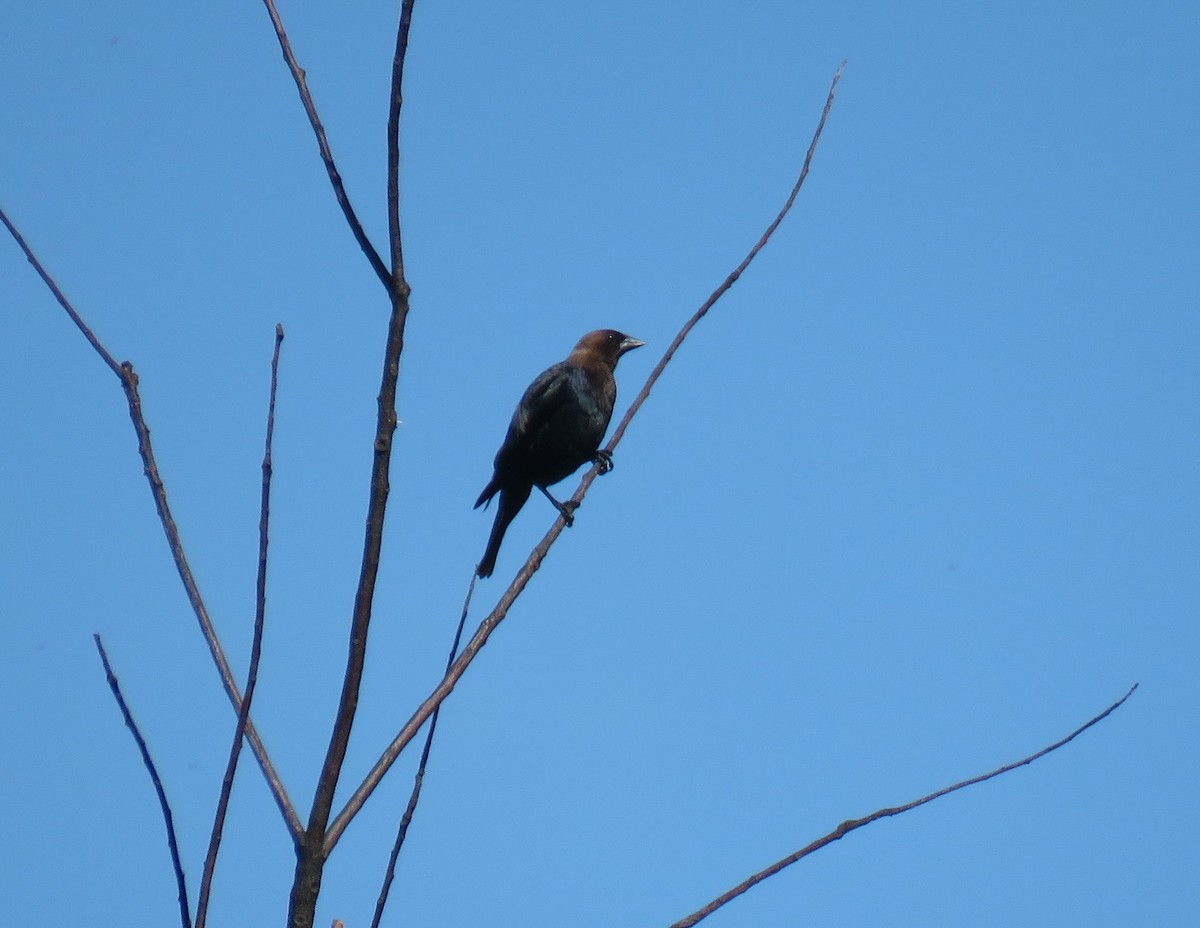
{"x":541,"y":402}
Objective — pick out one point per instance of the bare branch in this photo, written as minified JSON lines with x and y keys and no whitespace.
{"x":61,"y":297}
{"x":313,"y":848}
{"x":419,"y":779}
{"x":185,"y":917}
{"x":260,"y":610}
{"x":393,"y":146}
{"x":728,"y":282}
{"x":488,"y":625}
{"x":848,"y":826}
{"x":335,"y":178}
{"x":364,"y":597}
{"x":129,"y":383}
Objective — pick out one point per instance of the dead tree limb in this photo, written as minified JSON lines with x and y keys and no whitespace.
{"x":185,"y":917}
{"x":313,"y":848}
{"x":852,"y":824}
{"x":335,"y":177}
{"x":260,"y":612}
{"x":129,"y":383}
{"x":419,"y":780}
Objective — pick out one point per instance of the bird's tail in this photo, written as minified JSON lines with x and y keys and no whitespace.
{"x":511,"y":501}
{"x":488,"y":492}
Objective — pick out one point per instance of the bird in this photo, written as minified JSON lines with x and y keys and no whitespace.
{"x":557,"y":426}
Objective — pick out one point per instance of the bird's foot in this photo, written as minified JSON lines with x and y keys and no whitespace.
{"x":567,"y":510}
{"x":605,"y":461}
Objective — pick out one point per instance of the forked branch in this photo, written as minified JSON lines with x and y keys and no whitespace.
{"x":312,"y":850}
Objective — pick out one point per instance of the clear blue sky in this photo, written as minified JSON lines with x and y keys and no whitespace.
{"x":918,"y":498}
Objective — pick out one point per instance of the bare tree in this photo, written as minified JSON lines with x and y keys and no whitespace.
{"x":316,"y":833}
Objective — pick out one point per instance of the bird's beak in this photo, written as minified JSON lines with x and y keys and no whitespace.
{"x":628,"y":343}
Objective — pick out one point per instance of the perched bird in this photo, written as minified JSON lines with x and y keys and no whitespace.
{"x":557,"y":426}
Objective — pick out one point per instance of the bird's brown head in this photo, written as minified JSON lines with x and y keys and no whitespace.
{"x":606,"y":345}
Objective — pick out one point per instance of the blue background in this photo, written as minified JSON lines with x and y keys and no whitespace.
{"x":917,"y":499}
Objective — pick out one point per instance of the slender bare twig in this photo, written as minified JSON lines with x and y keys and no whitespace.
{"x":61,"y":297}
{"x":260,"y":611}
{"x":129,"y":383}
{"x":848,"y":826}
{"x":728,"y":282}
{"x":335,"y":178}
{"x":419,"y":779}
{"x":395,"y":102}
{"x":185,"y":917}
{"x":488,"y":625}
{"x":313,"y":849}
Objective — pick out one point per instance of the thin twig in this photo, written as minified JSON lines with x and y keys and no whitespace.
{"x":335,"y":177}
{"x":61,"y":297}
{"x":129,"y":383}
{"x":312,"y":850}
{"x":185,"y":917}
{"x":260,"y":611}
{"x":488,"y":625}
{"x":848,"y":826}
{"x":419,"y":779}
{"x":728,"y":282}
{"x":395,"y":102}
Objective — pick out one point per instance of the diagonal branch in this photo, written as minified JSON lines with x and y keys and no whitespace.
{"x":260,"y":610}
{"x":848,"y":826}
{"x":644,"y":393}
{"x":129,"y":383}
{"x":180,"y":883}
{"x":419,"y":779}
{"x":60,"y":296}
{"x":488,"y":625}
{"x":335,"y":178}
